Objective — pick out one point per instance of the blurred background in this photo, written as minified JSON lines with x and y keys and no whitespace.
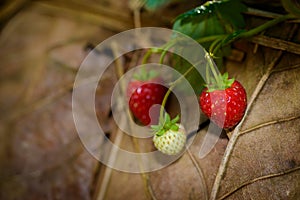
{"x":42,"y":44}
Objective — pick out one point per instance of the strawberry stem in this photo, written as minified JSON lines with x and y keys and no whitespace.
{"x":164,"y":48}
{"x":172,"y":85}
{"x":220,"y":43}
{"x":165,"y":124}
{"x":147,"y":56}
{"x":217,"y":82}
{"x":265,"y":26}
{"x":165,"y":51}
{"x":210,"y":38}
{"x":215,"y":43}
{"x":207,"y":76}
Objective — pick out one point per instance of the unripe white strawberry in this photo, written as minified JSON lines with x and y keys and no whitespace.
{"x":170,"y":137}
{"x":171,"y":142}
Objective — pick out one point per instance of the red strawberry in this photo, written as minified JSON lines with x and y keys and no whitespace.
{"x":225,"y":107}
{"x":143,"y":95}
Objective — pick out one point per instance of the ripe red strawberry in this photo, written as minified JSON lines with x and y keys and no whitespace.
{"x":143,"y":94}
{"x":225,"y":107}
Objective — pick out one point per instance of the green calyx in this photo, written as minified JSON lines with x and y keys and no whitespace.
{"x":220,"y":82}
{"x":165,"y":125}
{"x":143,"y":75}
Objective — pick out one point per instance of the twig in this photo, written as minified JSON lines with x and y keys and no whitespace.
{"x":259,"y":179}
{"x":136,"y":6}
{"x":105,"y":181}
{"x":236,"y":132}
{"x":119,"y":135}
{"x":218,"y":44}
{"x":268,"y":124}
{"x":146,"y":180}
{"x":100,"y":194}
{"x":286,"y":68}
{"x":112,"y":158}
{"x":276,"y":44}
{"x":261,"y":13}
{"x":267,"y":14}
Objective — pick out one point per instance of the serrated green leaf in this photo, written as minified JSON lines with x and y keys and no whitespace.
{"x":227,"y":82}
{"x":230,"y":12}
{"x":174,"y":127}
{"x":230,"y":82}
{"x":211,"y":19}
{"x":227,"y":11}
{"x":167,"y":118}
{"x":225,"y":76}
{"x":199,"y":29}
{"x":199,"y":12}
{"x":161,"y":121}
{"x":175,"y":120}
{"x":160,"y":132}
{"x":155,"y":127}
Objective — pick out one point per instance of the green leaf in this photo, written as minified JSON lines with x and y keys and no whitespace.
{"x":174,"y":127}
{"x":136,"y":76}
{"x":199,"y":12}
{"x":152,"y":74}
{"x":230,"y":12}
{"x":155,"y":4}
{"x":155,"y":127}
{"x":175,"y":120}
{"x":211,"y":19}
{"x":199,"y":29}
{"x":227,"y":11}
{"x":167,"y":124}
{"x":227,"y":82}
{"x":160,"y":132}
{"x":225,"y":76}
{"x":194,"y":78}
{"x":167,"y":118}
{"x":143,"y":75}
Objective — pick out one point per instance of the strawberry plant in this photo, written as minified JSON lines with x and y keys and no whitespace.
{"x":215,"y":25}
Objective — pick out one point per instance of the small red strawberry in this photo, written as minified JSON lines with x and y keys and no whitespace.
{"x":224,"y":106}
{"x":144,"y":92}
{"x":170,"y":137}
